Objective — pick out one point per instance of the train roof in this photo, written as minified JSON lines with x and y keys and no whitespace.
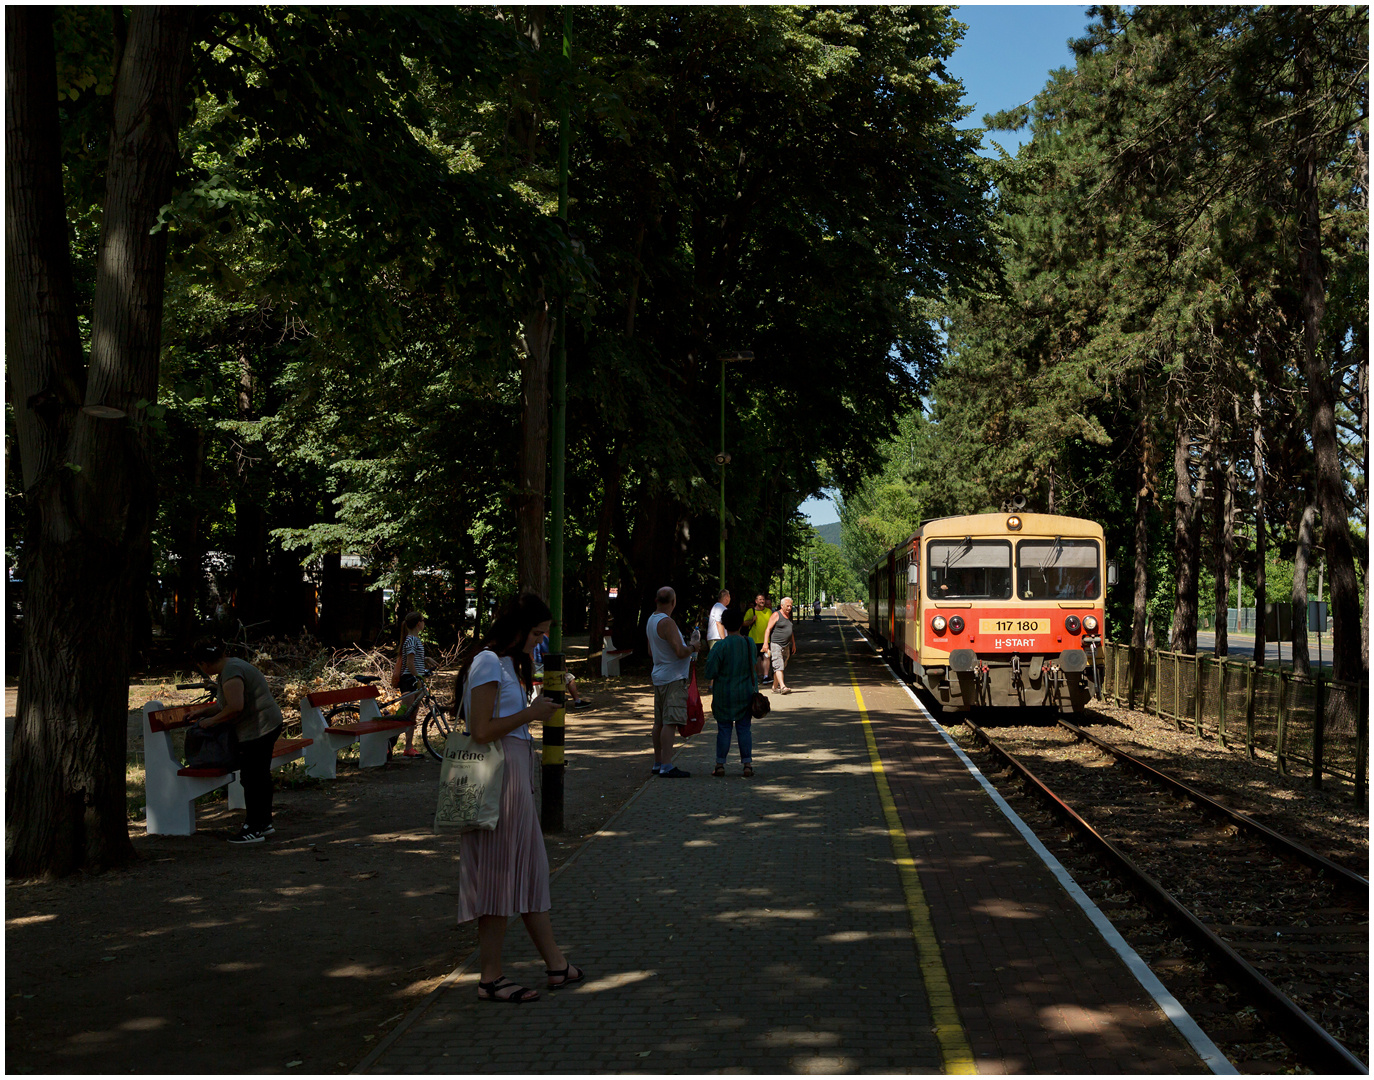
{"x":1031,"y":524}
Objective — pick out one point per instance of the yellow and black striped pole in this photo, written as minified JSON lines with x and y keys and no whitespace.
{"x":551,"y":812}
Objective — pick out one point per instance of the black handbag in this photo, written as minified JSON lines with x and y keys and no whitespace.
{"x":212,"y":748}
{"x":759,"y":706}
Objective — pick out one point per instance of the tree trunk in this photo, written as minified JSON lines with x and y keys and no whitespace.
{"x":1348,"y":660}
{"x":532,"y":553}
{"x":191,"y":552}
{"x":596,"y":583}
{"x":89,"y":487}
{"x":250,"y":521}
{"x":1141,"y":550}
{"x":1223,"y":546}
{"x":1302,"y":559}
{"x":1187,"y":541}
{"x":1261,"y":536}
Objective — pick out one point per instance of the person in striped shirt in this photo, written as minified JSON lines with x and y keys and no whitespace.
{"x":412,"y":672}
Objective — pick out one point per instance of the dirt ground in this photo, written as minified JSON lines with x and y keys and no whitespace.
{"x":296,"y":953}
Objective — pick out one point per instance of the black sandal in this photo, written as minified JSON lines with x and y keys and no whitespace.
{"x":565,"y":975}
{"x":719,"y":770}
{"x":518,"y":996}
{"x":748,"y":770}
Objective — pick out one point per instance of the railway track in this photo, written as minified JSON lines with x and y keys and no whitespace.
{"x":1283,"y":927}
{"x":1263,"y":940}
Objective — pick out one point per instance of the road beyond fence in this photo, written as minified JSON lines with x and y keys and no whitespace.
{"x":764,"y":924}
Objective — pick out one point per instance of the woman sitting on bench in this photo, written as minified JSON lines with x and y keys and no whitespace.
{"x":245,"y":701}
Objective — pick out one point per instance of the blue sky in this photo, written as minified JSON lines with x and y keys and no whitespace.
{"x":1005,"y":59}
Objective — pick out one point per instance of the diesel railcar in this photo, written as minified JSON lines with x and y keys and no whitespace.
{"x":996,"y":609}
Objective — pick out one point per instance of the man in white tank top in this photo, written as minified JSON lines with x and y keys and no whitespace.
{"x":672,"y":664}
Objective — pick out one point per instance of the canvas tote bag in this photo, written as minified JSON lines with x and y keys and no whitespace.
{"x":469,"y":784}
{"x":469,"y":781}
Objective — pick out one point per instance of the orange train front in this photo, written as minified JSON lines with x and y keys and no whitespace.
{"x":996,"y":609}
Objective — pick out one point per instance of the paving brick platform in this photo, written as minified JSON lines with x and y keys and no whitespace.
{"x":760,"y":926}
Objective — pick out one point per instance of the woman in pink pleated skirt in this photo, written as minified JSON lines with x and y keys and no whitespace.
{"x":505,"y":871}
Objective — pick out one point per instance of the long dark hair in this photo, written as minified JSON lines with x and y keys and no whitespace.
{"x":507,"y":637}
{"x":408,"y":624}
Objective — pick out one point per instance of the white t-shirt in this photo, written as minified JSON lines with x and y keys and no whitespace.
{"x":713,"y":623}
{"x":487,"y":667}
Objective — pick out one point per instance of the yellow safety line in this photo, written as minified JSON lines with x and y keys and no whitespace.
{"x":955,"y":1051}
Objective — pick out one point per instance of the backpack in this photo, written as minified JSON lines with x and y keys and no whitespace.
{"x":212,"y":748}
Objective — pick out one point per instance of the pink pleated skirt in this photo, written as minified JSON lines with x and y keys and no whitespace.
{"x":506,"y":871}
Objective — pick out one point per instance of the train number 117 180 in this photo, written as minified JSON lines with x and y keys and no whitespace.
{"x":1014,"y":626}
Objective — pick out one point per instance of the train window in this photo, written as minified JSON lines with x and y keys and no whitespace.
{"x":968,"y":569}
{"x":1058,"y":569}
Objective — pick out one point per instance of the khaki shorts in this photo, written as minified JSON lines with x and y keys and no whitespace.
{"x":778,"y":654}
{"x":670,"y":703}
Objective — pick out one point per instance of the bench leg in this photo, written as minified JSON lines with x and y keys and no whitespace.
{"x":170,"y":814}
{"x":372,"y":748}
{"x":171,"y":806}
{"x":321,"y":759}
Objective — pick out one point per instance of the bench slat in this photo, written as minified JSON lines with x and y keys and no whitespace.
{"x":283,"y":747}
{"x":173,"y":718}
{"x":321,"y":698}
{"x":205,"y":772}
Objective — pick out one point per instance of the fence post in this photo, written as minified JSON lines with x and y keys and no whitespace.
{"x":1178,"y":707}
{"x":1221,"y":704}
{"x":1197,"y":695}
{"x":1361,"y":743}
{"x":1152,"y":683}
{"x":1251,"y":675}
{"x":1319,"y":733}
{"x":1282,"y":733}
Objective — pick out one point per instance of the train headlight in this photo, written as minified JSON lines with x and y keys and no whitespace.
{"x":1090,"y":623}
{"x":1072,"y":625}
{"x":938,"y":624}
{"x":956,"y":625}
{"x":1013,"y":523}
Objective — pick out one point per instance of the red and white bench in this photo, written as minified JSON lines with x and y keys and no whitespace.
{"x":171,"y":789}
{"x":611,"y":657}
{"x":372,"y":733}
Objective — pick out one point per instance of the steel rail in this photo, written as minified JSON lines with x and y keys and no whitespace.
{"x":1323,"y":1052}
{"x":1283,"y":845}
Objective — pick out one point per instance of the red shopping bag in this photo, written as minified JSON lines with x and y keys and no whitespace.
{"x":696,"y":712}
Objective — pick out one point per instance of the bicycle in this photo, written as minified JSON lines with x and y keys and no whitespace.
{"x":431,"y":718}
{"x":208,"y":690}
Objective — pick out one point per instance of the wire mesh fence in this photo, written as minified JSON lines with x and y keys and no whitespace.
{"x":1307,"y":725}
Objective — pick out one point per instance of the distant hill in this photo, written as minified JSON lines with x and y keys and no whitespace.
{"x":829,"y":533}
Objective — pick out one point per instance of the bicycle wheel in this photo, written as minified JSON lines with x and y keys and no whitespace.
{"x":435,"y":729}
{"x":342,"y":716}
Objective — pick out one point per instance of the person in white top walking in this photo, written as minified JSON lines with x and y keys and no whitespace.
{"x":715,"y":629}
{"x":672,"y":664}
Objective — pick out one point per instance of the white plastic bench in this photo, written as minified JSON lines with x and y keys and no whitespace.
{"x":611,"y":657}
{"x":372,"y":733}
{"x":171,"y":789}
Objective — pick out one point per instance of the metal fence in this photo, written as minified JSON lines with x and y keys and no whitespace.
{"x":1317,"y":726}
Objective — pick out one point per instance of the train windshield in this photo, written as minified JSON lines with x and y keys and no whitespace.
{"x":968,"y":569}
{"x":1058,"y":569}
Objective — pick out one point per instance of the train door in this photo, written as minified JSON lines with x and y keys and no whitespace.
{"x":912,"y":641}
